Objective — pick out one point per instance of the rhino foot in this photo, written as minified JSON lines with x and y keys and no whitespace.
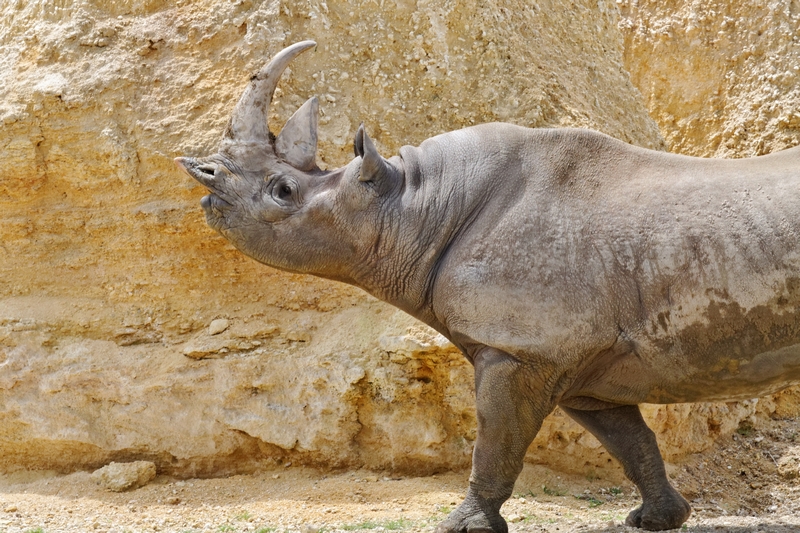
{"x":668,"y":513}
{"x":470,"y":518}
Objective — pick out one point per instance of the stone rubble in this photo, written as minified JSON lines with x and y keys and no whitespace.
{"x":113,"y":289}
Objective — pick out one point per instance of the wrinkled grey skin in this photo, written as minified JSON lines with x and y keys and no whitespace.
{"x":570,"y":268}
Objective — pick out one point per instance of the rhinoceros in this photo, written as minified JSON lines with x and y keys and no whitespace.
{"x":570,"y":268}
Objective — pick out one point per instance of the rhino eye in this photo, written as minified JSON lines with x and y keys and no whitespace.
{"x":284,"y":192}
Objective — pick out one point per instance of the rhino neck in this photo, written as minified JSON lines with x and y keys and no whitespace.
{"x":440,"y":199}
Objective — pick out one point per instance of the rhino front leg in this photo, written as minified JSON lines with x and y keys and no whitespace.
{"x":511,"y":403}
{"x":627,"y":438}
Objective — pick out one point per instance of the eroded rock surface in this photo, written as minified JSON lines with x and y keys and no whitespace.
{"x":114,"y":292}
{"x":720,"y":78}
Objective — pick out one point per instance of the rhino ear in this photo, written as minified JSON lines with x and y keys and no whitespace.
{"x":297,"y":142}
{"x":374,"y":168}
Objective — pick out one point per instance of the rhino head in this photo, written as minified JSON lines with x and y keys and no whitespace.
{"x":269,"y":198}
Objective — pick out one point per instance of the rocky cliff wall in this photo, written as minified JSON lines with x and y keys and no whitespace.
{"x":720,"y":78}
{"x":110,"y":279}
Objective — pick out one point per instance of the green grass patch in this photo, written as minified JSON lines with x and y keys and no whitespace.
{"x":533,"y":519}
{"x":591,"y":475}
{"x":366,"y":524}
{"x":444,"y":509}
{"x":745,"y":428}
{"x":553,"y":492}
{"x":389,"y":525}
{"x":396,"y":525}
{"x":593,"y":502}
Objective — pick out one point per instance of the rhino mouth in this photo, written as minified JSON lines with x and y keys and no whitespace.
{"x":213,"y":201}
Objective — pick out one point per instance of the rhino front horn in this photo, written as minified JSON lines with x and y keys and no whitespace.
{"x":248,"y":122}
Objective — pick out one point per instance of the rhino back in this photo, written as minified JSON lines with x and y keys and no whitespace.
{"x":640,"y":272}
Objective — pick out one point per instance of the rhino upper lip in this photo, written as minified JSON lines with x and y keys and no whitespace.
{"x":204,"y":174}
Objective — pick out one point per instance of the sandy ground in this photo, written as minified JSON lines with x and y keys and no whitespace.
{"x":745,"y":484}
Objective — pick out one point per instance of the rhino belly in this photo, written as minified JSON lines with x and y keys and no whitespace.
{"x":628,"y":374}
{"x":731,"y":378}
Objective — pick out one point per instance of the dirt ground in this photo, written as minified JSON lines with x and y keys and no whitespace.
{"x":748,"y":483}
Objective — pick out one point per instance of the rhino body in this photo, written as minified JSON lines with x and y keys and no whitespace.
{"x":570,"y":268}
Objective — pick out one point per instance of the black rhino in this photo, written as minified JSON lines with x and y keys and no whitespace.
{"x":570,"y":268}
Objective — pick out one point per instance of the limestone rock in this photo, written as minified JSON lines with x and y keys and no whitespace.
{"x":213,"y":347}
{"x":119,"y":477}
{"x":789,"y":464}
{"x":107,"y":348}
{"x":218,"y":326}
{"x":720,"y":78}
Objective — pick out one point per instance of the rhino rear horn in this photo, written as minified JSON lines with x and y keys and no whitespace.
{"x":248,"y":122}
{"x":374,"y":168}
{"x":297,"y":142}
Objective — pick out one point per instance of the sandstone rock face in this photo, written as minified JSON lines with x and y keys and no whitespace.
{"x":130,"y":331}
{"x":789,"y":465}
{"x":720,"y":78}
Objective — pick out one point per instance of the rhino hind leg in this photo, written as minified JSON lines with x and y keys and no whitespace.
{"x":623,"y":432}
{"x":512,"y":400}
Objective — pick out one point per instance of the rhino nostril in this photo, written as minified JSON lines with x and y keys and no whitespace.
{"x":207,"y":169}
